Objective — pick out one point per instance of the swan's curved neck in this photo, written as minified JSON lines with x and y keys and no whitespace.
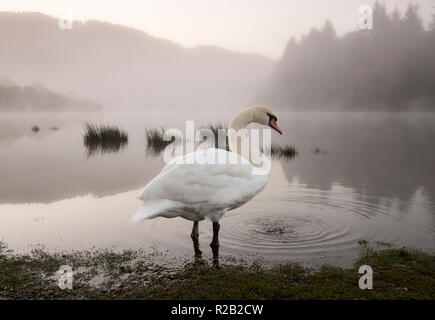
{"x":242,"y":120}
{"x":238,"y":139}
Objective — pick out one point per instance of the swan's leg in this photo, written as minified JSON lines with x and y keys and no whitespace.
{"x":195,"y":232}
{"x":215,"y":243}
{"x":195,"y":238}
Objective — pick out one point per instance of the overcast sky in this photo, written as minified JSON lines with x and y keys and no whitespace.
{"x":260,"y":26}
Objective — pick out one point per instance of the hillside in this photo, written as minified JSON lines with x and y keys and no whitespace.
{"x":121,"y":67}
{"x":37,"y":98}
{"x":391,"y":67}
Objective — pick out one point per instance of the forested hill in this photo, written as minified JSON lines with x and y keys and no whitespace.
{"x":391,"y":67}
{"x":35,"y":98}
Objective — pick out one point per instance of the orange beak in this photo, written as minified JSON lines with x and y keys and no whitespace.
{"x":273,"y":124}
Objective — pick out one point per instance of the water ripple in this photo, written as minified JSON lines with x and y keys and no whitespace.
{"x":305,"y":221}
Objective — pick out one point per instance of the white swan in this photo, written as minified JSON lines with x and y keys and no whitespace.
{"x":203,"y":189}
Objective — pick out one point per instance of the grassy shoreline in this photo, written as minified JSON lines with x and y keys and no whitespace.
{"x":397,"y":274}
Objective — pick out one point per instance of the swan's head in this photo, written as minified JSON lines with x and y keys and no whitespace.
{"x":264,"y":115}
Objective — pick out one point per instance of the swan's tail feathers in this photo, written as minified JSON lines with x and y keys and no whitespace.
{"x":153,"y":209}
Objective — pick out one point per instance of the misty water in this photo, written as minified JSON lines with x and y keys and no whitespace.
{"x":357,"y":176}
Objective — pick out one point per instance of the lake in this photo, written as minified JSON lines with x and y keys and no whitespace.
{"x":357,"y":176}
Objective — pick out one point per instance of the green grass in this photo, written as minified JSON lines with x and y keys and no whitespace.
{"x":398,"y":274}
{"x":104,"y":139}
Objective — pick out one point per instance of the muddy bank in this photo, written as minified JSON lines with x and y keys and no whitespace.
{"x":397,"y":274}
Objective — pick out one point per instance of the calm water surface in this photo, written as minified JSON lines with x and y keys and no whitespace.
{"x":357,"y":176}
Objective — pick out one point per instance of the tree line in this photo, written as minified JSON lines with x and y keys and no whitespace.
{"x":391,"y":67}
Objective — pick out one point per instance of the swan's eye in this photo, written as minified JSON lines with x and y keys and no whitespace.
{"x":272,"y":117}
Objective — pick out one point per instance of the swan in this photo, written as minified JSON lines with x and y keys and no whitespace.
{"x":196,"y":189}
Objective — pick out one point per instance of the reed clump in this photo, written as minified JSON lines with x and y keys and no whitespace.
{"x":155,"y":143}
{"x":286,"y":151}
{"x":104,"y":138}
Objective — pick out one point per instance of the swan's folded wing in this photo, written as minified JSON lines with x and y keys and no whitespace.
{"x":201,"y":181}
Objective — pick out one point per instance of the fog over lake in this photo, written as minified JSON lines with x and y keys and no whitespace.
{"x":357,"y":176}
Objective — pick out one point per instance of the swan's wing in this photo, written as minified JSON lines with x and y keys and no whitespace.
{"x":203,"y":182}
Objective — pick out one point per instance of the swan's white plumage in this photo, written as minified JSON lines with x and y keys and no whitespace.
{"x":202,"y":189}
{"x":154,"y":208}
{"x":199,"y":185}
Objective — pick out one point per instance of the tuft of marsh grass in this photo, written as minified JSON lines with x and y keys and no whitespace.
{"x":285,"y":151}
{"x":54,"y":128}
{"x":155,"y":144}
{"x":35,"y":128}
{"x":104,"y":133}
{"x":104,"y":139}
